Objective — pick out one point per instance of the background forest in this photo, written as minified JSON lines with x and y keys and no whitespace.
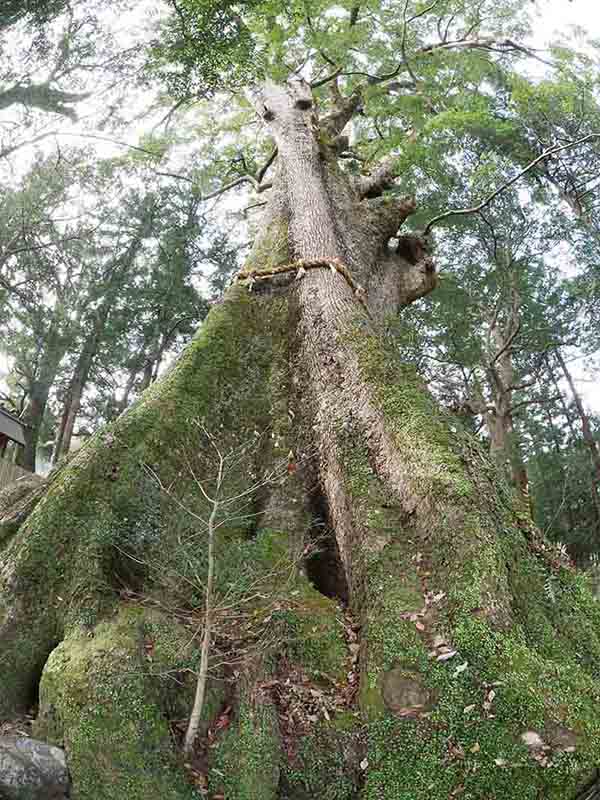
{"x":116,"y":233}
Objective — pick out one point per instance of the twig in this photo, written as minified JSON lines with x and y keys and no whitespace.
{"x":194,"y":722}
{"x":461,"y":212}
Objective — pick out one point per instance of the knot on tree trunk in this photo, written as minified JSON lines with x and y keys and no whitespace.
{"x":414,"y":249}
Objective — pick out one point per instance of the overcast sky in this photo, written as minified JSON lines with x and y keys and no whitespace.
{"x":555,"y":16}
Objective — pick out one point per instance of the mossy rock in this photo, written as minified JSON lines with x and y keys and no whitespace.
{"x":106,"y":703}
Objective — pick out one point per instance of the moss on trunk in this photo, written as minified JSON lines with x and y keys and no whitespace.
{"x":481,"y":649}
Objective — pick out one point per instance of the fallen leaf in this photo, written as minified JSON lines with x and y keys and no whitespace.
{"x":446,"y":656}
{"x":532,"y":739}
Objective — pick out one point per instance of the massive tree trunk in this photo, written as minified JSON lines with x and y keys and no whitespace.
{"x":388,"y":624}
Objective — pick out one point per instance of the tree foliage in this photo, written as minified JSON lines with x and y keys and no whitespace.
{"x":37,"y":12}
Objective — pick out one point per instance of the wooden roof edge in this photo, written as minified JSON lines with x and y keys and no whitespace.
{"x":14,"y":418}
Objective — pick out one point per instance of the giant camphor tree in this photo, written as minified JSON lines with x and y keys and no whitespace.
{"x":290,"y":466}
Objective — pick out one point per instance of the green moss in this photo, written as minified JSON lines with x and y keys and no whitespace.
{"x":523,"y":628}
{"x":406,"y":762}
{"x":246,"y":762}
{"x":312,"y":627}
{"x":393,"y":593}
{"x":273,"y":249}
{"x":324,"y":764}
{"x":103,"y":697}
{"x":17,"y":501}
{"x":309,"y":625}
{"x":347,"y":721}
{"x":460,"y":742}
{"x":104,"y":510}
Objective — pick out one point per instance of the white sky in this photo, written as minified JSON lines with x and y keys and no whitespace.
{"x":555,"y":16}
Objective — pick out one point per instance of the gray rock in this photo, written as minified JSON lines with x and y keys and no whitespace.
{"x":32,"y":770}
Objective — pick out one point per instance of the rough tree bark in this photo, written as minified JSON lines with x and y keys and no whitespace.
{"x":505,"y":447}
{"x":459,"y":674}
{"x":77,"y":384}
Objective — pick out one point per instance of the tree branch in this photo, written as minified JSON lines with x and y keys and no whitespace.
{"x":534,"y":401}
{"x":43,"y":97}
{"x":512,"y":336}
{"x":255,"y":180}
{"x":382,"y":177}
{"x":328,"y":78}
{"x":237,"y":182}
{"x":263,"y":170}
{"x":343,"y":111}
{"x":461,"y":212}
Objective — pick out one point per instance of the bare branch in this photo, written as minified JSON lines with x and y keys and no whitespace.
{"x":403,"y":43}
{"x":175,"y":176}
{"x":534,"y":401}
{"x":265,"y":167}
{"x":461,"y":212}
{"x":198,"y":706}
{"x":254,"y":180}
{"x":328,"y":78}
{"x":237,"y":182}
{"x":510,"y":339}
{"x":517,"y":387}
{"x":490,"y":44}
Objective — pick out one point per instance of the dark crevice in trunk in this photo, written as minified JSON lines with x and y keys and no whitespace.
{"x":256,"y":512}
{"x":126,"y":571}
{"x":323,"y":565}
